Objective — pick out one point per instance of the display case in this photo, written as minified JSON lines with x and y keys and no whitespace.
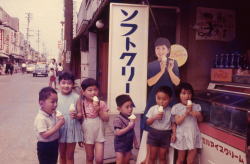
{"x":225,"y":128}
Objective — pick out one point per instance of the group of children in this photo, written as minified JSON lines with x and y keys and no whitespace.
{"x":58,"y":127}
{"x":66,"y":118}
{"x":174,"y":126}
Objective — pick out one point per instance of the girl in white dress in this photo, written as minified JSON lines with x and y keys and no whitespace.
{"x":186,"y":114}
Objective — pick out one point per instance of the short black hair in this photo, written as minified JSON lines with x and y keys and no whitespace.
{"x":45,"y":93}
{"x":121,"y":99}
{"x":67,"y":76}
{"x":165,"y":89}
{"x":162,"y":41}
{"x":186,"y":86}
{"x":89,"y":82}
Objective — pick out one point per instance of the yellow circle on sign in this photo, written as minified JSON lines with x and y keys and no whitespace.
{"x":179,"y":53}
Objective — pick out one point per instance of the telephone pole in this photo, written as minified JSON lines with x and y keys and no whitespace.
{"x":29,"y":17}
{"x":38,"y":40}
{"x":68,"y":32}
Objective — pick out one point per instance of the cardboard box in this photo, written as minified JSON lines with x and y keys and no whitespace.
{"x":222,"y":75}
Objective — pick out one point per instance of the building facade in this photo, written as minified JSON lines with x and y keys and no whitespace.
{"x":13,"y":46}
{"x":176,"y":20}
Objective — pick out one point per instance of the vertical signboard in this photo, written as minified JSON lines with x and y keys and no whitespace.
{"x":1,"y":39}
{"x":128,"y":51}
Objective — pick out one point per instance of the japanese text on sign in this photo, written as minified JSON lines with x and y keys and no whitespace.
{"x":128,"y":43}
{"x":211,"y":146}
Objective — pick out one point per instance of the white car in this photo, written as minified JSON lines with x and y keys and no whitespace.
{"x":30,"y":68}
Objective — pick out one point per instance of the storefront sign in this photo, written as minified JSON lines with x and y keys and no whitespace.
{"x":1,"y":39}
{"x":128,"y":51}
{"x":222,"y":75}
{"x":214,"y":151}
{"x":215,"y":24}
{"x":68,"y":57}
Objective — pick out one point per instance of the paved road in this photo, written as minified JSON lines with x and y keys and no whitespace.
{"x":18,"y":107}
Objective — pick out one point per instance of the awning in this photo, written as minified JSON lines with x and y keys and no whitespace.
{"x":3,"y":55}
{"x":18,"y":57}
{"x":15,"y":56}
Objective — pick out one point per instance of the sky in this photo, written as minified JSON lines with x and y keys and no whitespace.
{"x":46,"y":16}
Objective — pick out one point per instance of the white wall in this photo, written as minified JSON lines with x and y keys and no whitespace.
{"x":88,"y":58}
{"x":92,"y":54}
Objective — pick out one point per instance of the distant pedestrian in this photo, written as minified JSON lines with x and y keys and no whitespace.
{"x":7,"y":68}
{"x":94,"y":113}
{"x":124,"y":130}
{"x":11,"y":69}
{"x":59,"y":69}
{"x":52,"y":77}
{"x":53,"y":65}
{"x":24,"y":68}
{"x":71,"y":133}
{"x":47,"y":127}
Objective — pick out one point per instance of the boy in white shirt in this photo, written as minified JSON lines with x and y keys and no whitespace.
{"x":47,"y":127}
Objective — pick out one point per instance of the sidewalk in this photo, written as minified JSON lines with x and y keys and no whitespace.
{"x":109,"y":153}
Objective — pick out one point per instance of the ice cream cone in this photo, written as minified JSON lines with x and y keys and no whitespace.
{"x":132,"y":117}
{"x":161,"y":110}
{"x":95,"y":100}
{"x":58,"y":114}
{"x":164,"y":59}
{"x":72,"y":108}
{"x":189,"y":103}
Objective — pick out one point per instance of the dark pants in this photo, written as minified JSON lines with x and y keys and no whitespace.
{"x":47,"y":152}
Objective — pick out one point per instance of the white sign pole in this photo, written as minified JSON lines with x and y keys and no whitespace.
{"x":128,"y":54}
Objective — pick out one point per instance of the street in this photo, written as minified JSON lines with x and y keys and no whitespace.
{"x":18,"y":107}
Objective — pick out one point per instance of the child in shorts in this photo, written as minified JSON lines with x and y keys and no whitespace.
{"x":124,"y":130}
{"x":161,"y":127}
{"x":94,"y":113}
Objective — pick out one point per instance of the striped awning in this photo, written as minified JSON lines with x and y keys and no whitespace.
{"x":3,"y":55}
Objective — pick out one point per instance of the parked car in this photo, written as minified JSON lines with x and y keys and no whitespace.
{"x":30,"y":68}
{"x":40,"y":70}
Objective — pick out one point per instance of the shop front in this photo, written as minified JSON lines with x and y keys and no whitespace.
{"x":216,"y":36}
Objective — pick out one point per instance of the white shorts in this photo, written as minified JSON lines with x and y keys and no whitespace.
{"x":93,"y":130}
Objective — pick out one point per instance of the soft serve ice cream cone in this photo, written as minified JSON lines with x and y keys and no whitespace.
{"x":160,"y":110}
{"x":72,"y":108}
{"x":95,"y":100}
{"x":132,"y":117}
{"x":189,"y":103}
{"x":164,"y":59}
{"x":58,"y":114}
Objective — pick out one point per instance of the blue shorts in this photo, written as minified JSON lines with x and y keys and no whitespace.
{"x":159,"y":138}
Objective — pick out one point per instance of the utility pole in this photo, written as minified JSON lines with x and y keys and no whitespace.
{"x":68,"y":33}
{"x":38,"y":40}
{"x":29,"y":17}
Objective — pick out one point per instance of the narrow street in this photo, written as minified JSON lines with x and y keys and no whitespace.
{"x":18,"y":107}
